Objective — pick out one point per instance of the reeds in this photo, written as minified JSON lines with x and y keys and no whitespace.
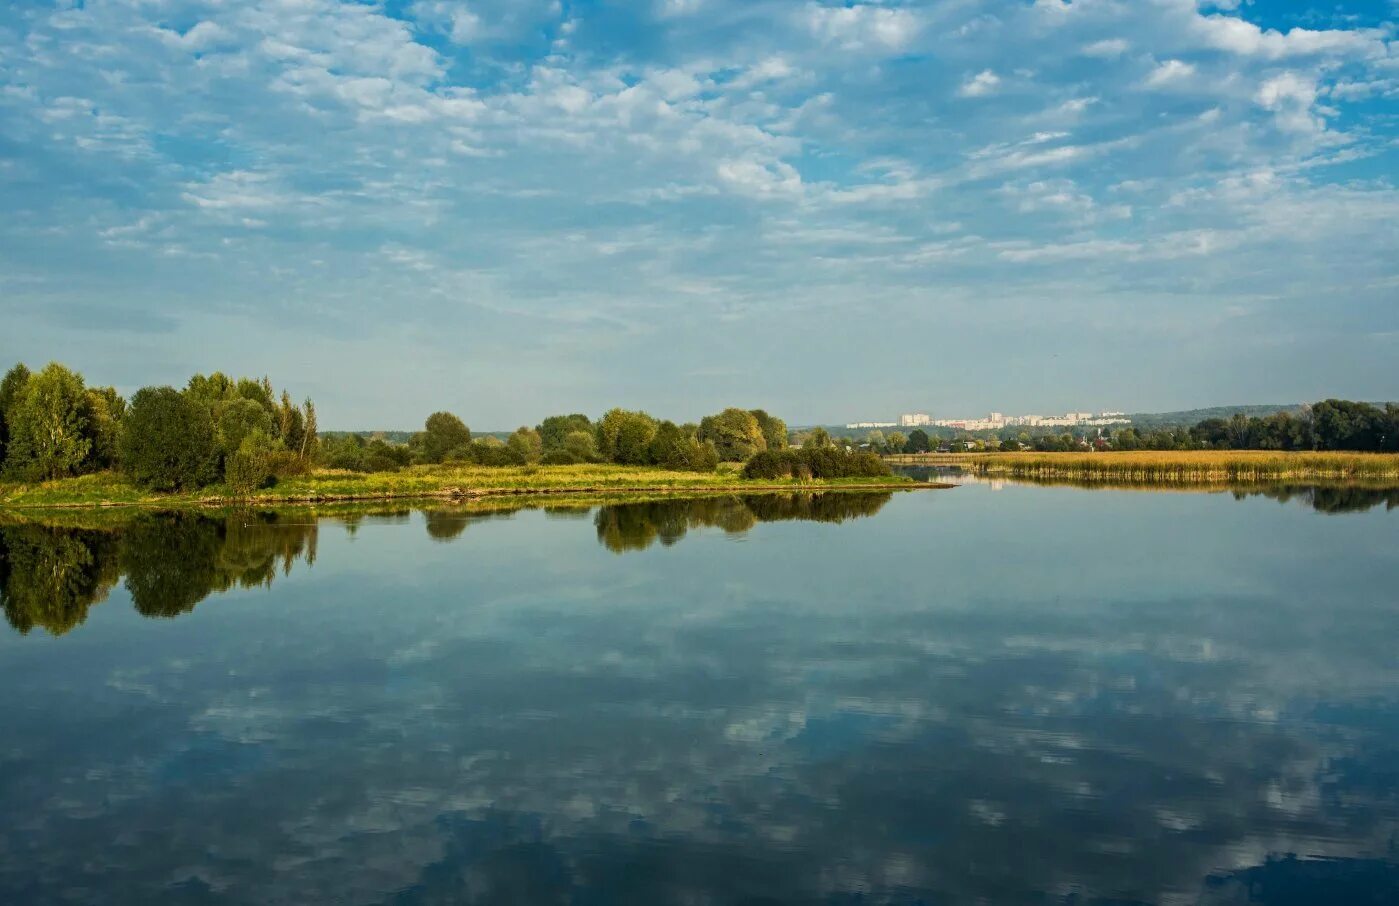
{"x":1170,"y":466}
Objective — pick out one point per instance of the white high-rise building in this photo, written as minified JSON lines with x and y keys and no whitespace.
{"x":915,"y":420}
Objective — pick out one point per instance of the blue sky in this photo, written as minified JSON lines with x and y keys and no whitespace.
{"x":510,"y":208}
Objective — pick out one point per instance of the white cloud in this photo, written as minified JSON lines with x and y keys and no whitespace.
{"x":1170,"y":72}
{"x":983,"y":83}
{"x":863,"y":26}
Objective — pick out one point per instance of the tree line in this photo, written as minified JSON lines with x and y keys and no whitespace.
{"x":215,"y":430}
{"x":620,"y":436}
{"x":1333,"y":424}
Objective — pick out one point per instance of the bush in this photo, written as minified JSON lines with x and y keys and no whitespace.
{"x":559,"y":458}
{"x":821,"y":463}
{"x":249,"y":467}
{"x":167,"y":441}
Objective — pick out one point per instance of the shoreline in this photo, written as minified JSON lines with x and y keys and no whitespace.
{"x":1168,"y":467}
{"x":460,"y":494}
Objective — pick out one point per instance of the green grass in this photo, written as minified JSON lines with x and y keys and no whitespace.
{"x":1171,"y":466}
{"x":110,"y":489}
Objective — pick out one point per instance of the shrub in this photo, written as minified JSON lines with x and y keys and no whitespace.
{"x":822,"y":463}
{"x":248,"y":468}
{"x":559,"y":458}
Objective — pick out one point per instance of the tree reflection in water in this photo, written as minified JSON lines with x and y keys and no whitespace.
{"x":636,"y":526}
{"x":50,"y":575}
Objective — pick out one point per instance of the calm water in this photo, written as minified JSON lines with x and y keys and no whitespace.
{"x":1023,"y":695}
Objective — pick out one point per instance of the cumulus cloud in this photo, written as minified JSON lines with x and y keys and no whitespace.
{"x":683,"y":137}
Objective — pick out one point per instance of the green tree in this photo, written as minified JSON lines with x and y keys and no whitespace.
{"x":247,"y":468}
{"x":582,"y":445}
{"x":105,"y":409}
{"x":291,"y":427}
{"x":167,"y":440}
{"x":818,"y":439}
{"x":11,"y":388}
{"x":236,"y":419}
{"x":49,"y":426}
{"x":442,"y":433}
{"x":674,"y":448}
{"x":896,"y":442}
{"x":735,"y":433}
{"x":918,"y":441}
{"x":555,"y":429}
{"x":526,"y":444}
{"x":774,"y":430}
{"x":875,"y":439}
{"x":625,"y":437}
{"x":310,"y":439}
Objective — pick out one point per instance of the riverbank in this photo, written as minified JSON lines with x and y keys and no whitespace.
{"x":1170,"y":466}
{"x":107,"y":489}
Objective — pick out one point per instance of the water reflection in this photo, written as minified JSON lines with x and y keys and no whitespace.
{"x":958,"y":701}
{"x":636,"y":526}
{"x":51,"y":574}
{"x":1351,"y":497}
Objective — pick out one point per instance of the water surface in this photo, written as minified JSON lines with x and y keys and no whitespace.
{"x":1010,"y":694}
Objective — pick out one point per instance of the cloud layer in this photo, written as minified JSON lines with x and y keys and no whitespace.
{"x":831,"y":210}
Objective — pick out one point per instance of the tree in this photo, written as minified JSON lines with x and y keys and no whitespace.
{"x":819,"y":439}
{"x":918,"y":442}
{"x":11,"y":387}
{"x":442,"y":433}
{"x":735,"y":433}
{"x":555,"y":429}
{"x":896,"y":442}
{"x":625,"y":437}
{"x":875,"y":439}
{"x":168,"y":441}
{"x":774,"y":429}
{"x":105,"y":409}
{"x":49,"y":426}
{"x":673,"y":448}
{"x":236,"y":419}
{"x":309,"y":439}
{"x":290,"y":426}
{"x":526,"y":444}
{"x":247,"y":468}
{"x":581,"y":445}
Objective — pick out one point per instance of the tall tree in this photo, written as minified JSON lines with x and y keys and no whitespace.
{"x":735,"y":433}
{"x":774,"y":429}
{"x":443,"y":433}
{"x":10,"y":389}
{"x":49,"y":426}
{"x":309,"y":437}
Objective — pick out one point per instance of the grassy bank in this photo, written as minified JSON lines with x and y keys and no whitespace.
{"x":443,"y":482}
{"x":1167,"y":467}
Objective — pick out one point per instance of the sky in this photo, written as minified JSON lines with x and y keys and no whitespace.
{"x":836,"y":211}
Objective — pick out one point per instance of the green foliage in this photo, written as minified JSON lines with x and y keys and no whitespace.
{"x":918,"y":442}
{"x":249,"y":467}
{"x":49,"y":426}
{"x":581,"y":445}
{"x":554,"y":431}
{"x":625,"y":437}
{"x":774,"y":430}
{"x":168,"y":441}
{"x":236,"y":419}
{"x":11,"y":387}
{"x":673,"y":448}
{"x":818,"y":439}
{"x":49,"y":577}
{"x":442,"y":433}
{"x":735,"y":433}
{"x":105,"y":410}
{"x":526,"y":445}
{"x":820,"y":463}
